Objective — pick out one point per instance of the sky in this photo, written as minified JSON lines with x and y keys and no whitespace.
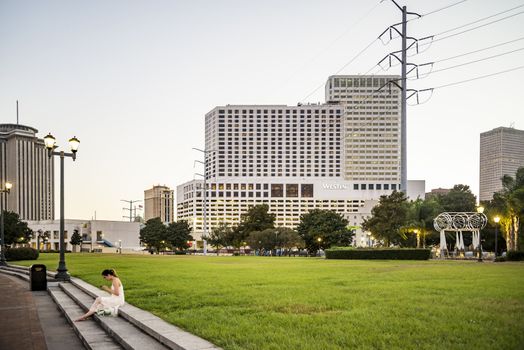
{"x":133,"y":80}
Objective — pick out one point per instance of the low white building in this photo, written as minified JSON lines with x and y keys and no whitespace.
{"x":96,"y":234}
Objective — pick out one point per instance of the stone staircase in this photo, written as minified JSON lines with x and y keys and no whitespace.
{"x":132,"y":329}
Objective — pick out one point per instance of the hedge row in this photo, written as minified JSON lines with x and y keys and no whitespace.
{"x":382,"y":254}
{"x":24,"y":253}
{"x":515,"y":256}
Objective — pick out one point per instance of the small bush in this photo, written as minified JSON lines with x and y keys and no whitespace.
{"x":180,"y":252}
{"x":379,"y":253}
{"x":23,"y":253}
{"x":515,"y":256}
{"x":500,"y":259}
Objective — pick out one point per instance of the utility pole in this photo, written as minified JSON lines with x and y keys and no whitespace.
{"x":404,"y":88}
{"x":130,"y":208}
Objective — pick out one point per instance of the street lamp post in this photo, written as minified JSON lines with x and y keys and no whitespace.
{"x":6,"y":190}
{"x":50,"y":143}
{"x":205,"y":151}
{"x":496,"y":219}
{"x":480,"y":209}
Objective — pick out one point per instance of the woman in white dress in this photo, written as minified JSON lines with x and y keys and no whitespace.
{"x":107,"y":305}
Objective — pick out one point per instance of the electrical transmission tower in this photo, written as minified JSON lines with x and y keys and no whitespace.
{"x":131,"y":217}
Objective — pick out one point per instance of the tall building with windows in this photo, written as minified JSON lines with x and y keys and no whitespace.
{"x":25,"y":163}
{"x":341,"y":155}
{"x":159,"y":203}
{"x":501,"y":153}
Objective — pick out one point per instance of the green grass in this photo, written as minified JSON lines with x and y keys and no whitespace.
{"x":309,"y":303}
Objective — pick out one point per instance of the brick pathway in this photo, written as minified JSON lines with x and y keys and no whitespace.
{"x":20,"y":325}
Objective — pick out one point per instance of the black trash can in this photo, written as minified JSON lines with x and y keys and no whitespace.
{"x":38,"y":277}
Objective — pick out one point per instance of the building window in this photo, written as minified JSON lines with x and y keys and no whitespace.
{"x":371,"y":186}
{"x":307,"y":190}
{"x":363,"y":186}
{"x":277,"y":190}
{"x":379,"y":186}
{"x":292,"y":190}
{"x":393,"y":186}
{"x":355,"y":186}
{"x":386,"y":186}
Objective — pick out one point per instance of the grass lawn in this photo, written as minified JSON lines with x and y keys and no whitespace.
{"x":310,"y":303}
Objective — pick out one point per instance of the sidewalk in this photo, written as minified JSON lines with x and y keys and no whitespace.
{"x":31,"y":320}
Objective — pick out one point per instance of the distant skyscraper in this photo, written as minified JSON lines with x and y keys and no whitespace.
{"x":501,"y":153}
{"x":159,"y":203}
{"x":24,"y":162}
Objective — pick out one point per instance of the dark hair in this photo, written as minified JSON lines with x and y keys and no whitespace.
{"x":108,"y":272}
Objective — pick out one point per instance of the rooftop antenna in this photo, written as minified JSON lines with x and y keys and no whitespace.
{"x":17,"y":112}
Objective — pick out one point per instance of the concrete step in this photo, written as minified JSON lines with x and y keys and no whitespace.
{"x":89,"y":332}
{"x":124,"y":332}
{"x":166,"y":333}
{"x":15,"y":272}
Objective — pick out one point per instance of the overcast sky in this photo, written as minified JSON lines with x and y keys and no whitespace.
{"x":134,"y":79}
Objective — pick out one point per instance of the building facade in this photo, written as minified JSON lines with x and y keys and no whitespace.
{"x":341,"y":155}
{"x":25,"y":163}
{"x":501,"y":153}
{"x":96,"y":234}
{"x":159,"y":203}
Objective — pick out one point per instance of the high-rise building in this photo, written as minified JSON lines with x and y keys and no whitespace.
{"x":159,"y":203}
{"x":341,"y":155}
{"x":25,"y":163}
{"x":501,"y":153}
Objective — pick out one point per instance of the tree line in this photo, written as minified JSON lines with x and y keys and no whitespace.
{"x":397,"y":221}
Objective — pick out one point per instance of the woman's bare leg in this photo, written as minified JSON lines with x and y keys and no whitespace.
{"x":91,"y":311}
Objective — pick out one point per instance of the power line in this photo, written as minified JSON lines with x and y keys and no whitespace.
{"x":342,"y":68}
{"x":476,"y":78}
{"x":480,"y":50}
{"x":324,"y":49}
{"x":438,"y":10}
{"x":443,"y":8}
{"x":466,"y":63}
{"x":483,"y":19}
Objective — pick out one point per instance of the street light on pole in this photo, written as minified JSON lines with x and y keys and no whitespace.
{"x":496,"y":219}
{"x":6,"y":190}
{"x":480,"y":210}
{"x":50,"y":144}
{"x":204,"y":235}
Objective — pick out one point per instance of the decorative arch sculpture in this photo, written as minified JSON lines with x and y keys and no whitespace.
{"x":458,"y":222}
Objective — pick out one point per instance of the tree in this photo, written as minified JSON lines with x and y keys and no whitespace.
{"x":420,"y":218}
{"x":288,"y":238}
{"x":178,"y":234}
{"x":154,"y":235}
{"x":15,"y":230}
{"x":388,"y":217}
{"x":259,"y":240}
{"x":218,"y":236}
{"x":459,"y":198}
{"x":320,"y":229}
{"x":76,"y":240}
{"x":510,"y":203}
{"x":257,"y":218}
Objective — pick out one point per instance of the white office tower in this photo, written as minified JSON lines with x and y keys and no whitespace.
{"x":501,"y":153}
{"x":340,"y":156}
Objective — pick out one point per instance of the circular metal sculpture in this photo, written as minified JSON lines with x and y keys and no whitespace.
{"x":458,"y":222}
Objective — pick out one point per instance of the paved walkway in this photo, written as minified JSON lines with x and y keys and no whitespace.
{"x":31,"y":320}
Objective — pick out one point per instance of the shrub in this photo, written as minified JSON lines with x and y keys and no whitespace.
{"x":23,"y":253}
{"x":379,"y":253}
{"x":500,"y":259}
{"x":515,"y":256}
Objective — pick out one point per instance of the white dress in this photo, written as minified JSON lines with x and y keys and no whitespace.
{"x":109,"y":305}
